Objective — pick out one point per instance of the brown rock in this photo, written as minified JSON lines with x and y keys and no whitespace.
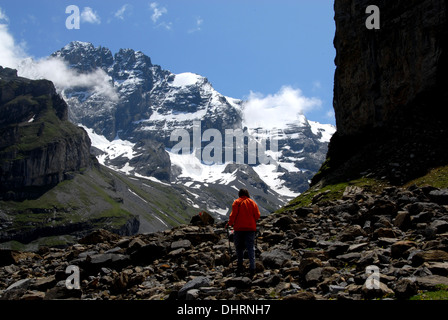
{"x":308,"y":264}
{"x":431,"y":282}
{"x":385,"y":233}
{"x":439,"y":268}
{"x":42,"y":284}
{"x":402,"y":220}
{"x":405,"y":288}
{"x":430,"y":255}
{"x":202,"y":219}
{"x":305,"y":295}
{"x":33,"y":295}
{"x":351,"y":232}
{"x":99,"y":236}
{"x":398,"y":249}
{"x":380,"y":292}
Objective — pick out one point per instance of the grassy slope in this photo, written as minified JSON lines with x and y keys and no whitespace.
{"x":101,"y":196}
{"x":437,"y":177}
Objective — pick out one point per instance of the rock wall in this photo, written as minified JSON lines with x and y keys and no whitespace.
{"x":390,"y":86}
{"x":38,"y":146}
{"x":380,"y":73}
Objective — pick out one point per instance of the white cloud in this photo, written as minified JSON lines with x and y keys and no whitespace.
{"x":14,"y":56}
{"x":330,"y":114}
{"x":166,"y":25}
{"x":277,"y":110}
{"x":89,"y":16}
{"x":316,"y":85}
{"x":11,"y":53}
{"x":199,"y":22}
{"x":57,"y":71}
{"x":120,"y":12}
{"x":157,"y":12}
{"x":3,"y":16}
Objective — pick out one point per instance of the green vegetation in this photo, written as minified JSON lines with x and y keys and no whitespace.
{"x":54,"y":241}
{"x":173,"y":212}
{"x":437,"y":177}
{"x":46,"y":128}
{"x":97,"y":198}
{"x":441,"y":293}
{"x":332,"y":192}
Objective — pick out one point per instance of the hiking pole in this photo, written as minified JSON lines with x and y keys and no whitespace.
{"x":257,"y":250}
{"x":228,"y":238}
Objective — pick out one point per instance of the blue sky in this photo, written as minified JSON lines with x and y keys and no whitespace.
{"x":244,"y":47}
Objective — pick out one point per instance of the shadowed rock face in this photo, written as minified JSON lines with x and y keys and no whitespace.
{"x":380,"y":73}
{"x":390,"y":87}
{"x":38,"y":146}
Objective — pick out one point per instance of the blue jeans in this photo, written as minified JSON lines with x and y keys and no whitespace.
{"x":245,"y":240}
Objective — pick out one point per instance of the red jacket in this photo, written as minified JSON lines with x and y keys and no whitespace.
{"x":244,"y":215}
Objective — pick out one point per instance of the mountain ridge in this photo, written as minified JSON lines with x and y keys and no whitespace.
{"x":154,"y":102}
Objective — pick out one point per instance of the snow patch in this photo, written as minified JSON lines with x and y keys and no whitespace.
{"x":137,"y":195}
{"x":153,"y":179}
{"x":185,"y":79}
{"x":180,"y":116}
{"x":326,"y":130}
{"x":289,"y":166}
{"x":163,"y":222}
{"x":112,"y":149}
{"x":271,"y":176}
{"x":194,"y":170}
{"x":222,"y":212}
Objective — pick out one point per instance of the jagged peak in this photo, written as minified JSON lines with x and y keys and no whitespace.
{"x":78,"y":44}
{"x":132,"y":56}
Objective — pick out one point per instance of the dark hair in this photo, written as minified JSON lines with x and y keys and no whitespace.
{"x":243,"y":193}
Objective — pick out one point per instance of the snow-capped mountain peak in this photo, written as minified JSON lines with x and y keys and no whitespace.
{"x":134,"y":133}
{"x":186,"y":79}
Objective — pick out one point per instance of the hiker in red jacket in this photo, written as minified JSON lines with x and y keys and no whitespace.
{"x":243,"y":219}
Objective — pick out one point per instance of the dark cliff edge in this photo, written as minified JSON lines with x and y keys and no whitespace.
{"x":46,"y":169}
{"x":39,"y":147}
{"x":390,"y":92}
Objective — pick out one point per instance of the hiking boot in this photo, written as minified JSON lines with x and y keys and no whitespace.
{"x":239,"y":271}
{"x":252,"y":273}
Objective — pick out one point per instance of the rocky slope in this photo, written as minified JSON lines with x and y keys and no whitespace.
{"x":321,"y":251}
{"x":389,"y":92}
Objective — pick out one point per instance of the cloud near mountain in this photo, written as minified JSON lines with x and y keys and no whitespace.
{"x":14,"y":55}
{"x":277,"y":110}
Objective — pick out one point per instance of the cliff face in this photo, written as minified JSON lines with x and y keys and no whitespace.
{"x":390,"y":90}
{"x":39,"y":147}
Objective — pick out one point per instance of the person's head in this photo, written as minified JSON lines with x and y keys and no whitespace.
{"x":243,"y":193}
